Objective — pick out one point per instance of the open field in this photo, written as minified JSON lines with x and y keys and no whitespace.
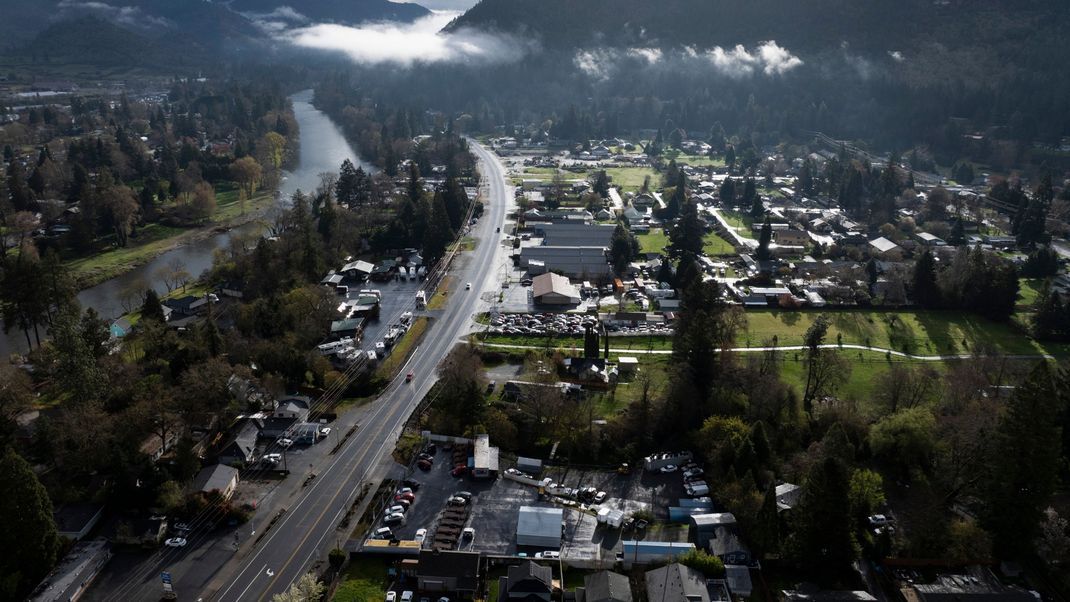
{"x":915,"y":332}
{"x":363,"y":581}
{"x":658,"y":239}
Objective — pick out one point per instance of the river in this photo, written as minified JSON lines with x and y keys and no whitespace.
{"x":322,"y":148}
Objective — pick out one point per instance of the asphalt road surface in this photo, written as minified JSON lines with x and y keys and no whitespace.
{"x":308,"y":529}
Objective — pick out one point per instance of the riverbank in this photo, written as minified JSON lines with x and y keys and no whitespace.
{"x":155,"y":240}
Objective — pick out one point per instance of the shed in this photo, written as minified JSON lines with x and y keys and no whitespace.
{"x":539,"y":527}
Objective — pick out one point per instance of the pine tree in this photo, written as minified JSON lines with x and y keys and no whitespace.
{"x":687,"y":235}
{"x":623,"y":248}
{"x":925,"y":290}
{"x":1025,"y":464}
{"x":823,"y":542}
{"x":29,"y":540}
{"x":765,"y":237}
{"x":151,"y":309}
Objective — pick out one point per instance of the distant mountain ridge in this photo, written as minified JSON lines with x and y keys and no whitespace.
{"x":802,"y":24}
{"x":50,"y":27}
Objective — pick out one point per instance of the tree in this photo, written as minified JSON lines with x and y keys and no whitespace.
{"x":16,"y":397}
{"x":924,"y":288}
{"x":866,"y":494}
{"x":439,"y":234}
{"x":1025,"y":464}
{"x":203,"y":203}
{"x":174,"y":274}
{"x":727,"y":192}
{"x":688,"y":233}
{"x":601,"y":183}
{"x":823,"y":541}
{"x":1053,"y":542}
{"x":821,"y":373}
{"x":902,"y":386}
{"x":305,"y":589}
{"x":1051,"y":321}
{"x":968,"y":543}
{"x":152,"y":309}
{"x":29,"y":540}
{"x":764,"y":238}
{"x":906,"y":439}
{"x":702,"y":561}
{"x":623,"y":248}
{"x":752,"y":198}
{"x":246,"y":172}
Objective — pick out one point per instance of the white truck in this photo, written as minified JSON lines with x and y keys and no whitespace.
{"x":421,"y":300}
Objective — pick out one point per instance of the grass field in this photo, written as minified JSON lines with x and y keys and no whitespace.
{"x":742,"y":223}
{"x":363,"y":581}
{"x":657,"y":240}
{"x":630,"y":179}
{"x":915,"y":332}
{"x":693,"y":160}
{"x":1028,"y":291}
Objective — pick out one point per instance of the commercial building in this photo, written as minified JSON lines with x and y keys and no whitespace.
{"x":552,"y":289}
{"x":484,"y":458}
{"x":454,"y":572}
{"x":539,"y":527}
{"x":69,"y":580}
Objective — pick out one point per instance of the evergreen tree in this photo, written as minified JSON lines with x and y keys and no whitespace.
{"x":1025,"y":464}
{"x":438,"y":234}
{"x":601,"y":183}
{"x":823,"y":541}
{"x":29,"y":539}
{"x":727,"y":192}
{"x":1050,"y":319}
{"x":752,"y":199}
{"x":623,"y":249}
{"x":765,"y":236}
{"x":152,"y":309}
{"x":924,"y":289}
{"x":687,"y":236}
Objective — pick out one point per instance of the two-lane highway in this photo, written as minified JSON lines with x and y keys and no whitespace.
{"x":309,"y":525}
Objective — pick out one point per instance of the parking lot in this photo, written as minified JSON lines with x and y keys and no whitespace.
{"x":570,"y":324}
{"x":494,"y":507}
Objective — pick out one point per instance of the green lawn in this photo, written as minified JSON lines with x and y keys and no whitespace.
{"x":693,"y":160}
{"x":740,"y":221}
{"x":363,"y":581}
{"x":631,"y":178}
{"x":713,"y":244}
{"x":1028,"y":291}
{"x":151,"y":241}
{"x":654,"y":241}
{"x":657,"y":240}
{"x":916,"y":332}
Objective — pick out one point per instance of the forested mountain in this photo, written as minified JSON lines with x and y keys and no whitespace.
{"x":338,"y":11}
{"x":803,"y":25}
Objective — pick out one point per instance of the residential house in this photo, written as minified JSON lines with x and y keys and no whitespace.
{"x":606,"y":586}
{"x":792,"y":237}
{"x":885,"y":249}
{"x":183,"y":306}
{"x":216,"y":478}
{"x":808,"y":592}
{"x":979,"y":585}
{"x":526,"y":582}
{"x":678,"y":583}
{"x":448,"y":572}
{"x":240,"y":449}
{"x":120,"y":328}
{"x":149,"y":532}
{"x":552,"y":289}
{"x":718,"y":533}
{"x":787,"y":496}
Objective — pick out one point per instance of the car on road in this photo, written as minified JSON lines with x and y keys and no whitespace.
{"x":408,"y":377}
{"x":393,"y":519}
{"x":176,"y":542}
{"x":421,"y":534}
{"x":181,"y":527}
{"x":668,"y":468}
{"x":468,"y":286}
{"x":285,"y":443}
{"x":600,"y":497}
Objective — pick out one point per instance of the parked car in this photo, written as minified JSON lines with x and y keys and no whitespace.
{"x":175,"y":542}
{"x":423,"y":465}
{"x":426,"y":456}
{"x":406,"y":596}
{"x":405,"y":497}
{"x":391,"y":596}
{"x":411,"y":485}
{"x":468,"y":533}
{"x":878,"y":520}
{"x":548,"y":554}
{"x":456,"y":501}
{"x":467,"y":495}
{"x":600,"y":497}
{"x":325,"y":431}
{"x":398,"y":509}
{"x":459,"y":471}
{"x":421,"y":534}
{"x":408,"y":489}
{"x":285,"y":443}
{"x":384,"y":533}
{"x":394,"y":519}
{"x":668,"y":468}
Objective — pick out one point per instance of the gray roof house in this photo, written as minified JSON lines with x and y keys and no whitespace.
{"x":218,"y":477}
{"x":241,"y":447}
{"x":607,"y":586}
{"x":678,"y":583}
{"x":526,"y":582}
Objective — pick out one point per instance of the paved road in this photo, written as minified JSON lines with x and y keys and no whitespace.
{"x":308,"y":528}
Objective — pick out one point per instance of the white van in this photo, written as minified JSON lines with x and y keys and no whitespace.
{"x":698,"y":490}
